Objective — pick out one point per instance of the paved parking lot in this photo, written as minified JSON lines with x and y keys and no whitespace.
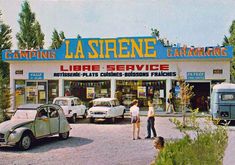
{"x":229,"y":153}
{"x":101,"y":143}
{"x":91,"y":144}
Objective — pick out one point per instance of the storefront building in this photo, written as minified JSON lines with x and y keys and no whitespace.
{"x":127,"y":68}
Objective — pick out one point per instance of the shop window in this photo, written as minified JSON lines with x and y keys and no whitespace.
{"x":42,"y":92}
{"x":87,"y":90}
{"x":53,"y":92}
{"x":143,"y":90}
{"x":31,"y":92}
{"x":36,"y":92}
{"x":19,"y":92}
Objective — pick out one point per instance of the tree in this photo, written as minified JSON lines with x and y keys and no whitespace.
{"x":39,"y":36}
{"x":79,"y":36}
{"x":57,"y":39}
{"x":186,"y":93}
{"x":155,"y":33}
{"x":4,"y":96}
{"x":5,"y":43}
{"x":5,"y":36}
{"x":230,"y":40}
{"x":30,"y":35}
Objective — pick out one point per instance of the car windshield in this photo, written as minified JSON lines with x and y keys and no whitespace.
{"x":61,"y":102}
{"x":24,"y":114}
{"x":101,"y":103}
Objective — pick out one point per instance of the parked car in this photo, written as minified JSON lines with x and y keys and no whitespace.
{"x":31,"y":122}
{"x":223,"y":103}
{"x":105,"y":108}
{"x":72,"y":107}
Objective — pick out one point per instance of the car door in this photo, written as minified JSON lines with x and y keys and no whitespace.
{"x":54,"y":120}
{"x":118,"y":108}
{"x":42,"y":125}
{"x":114,"y":108}
{"x":81,"y":107}
{"x":78,"y":107}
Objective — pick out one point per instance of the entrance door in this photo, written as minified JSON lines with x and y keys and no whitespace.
{"x":31,"y":92}
{"x":36,"y":92}
{"x":201,"y":93}
{"x":42,"y":92}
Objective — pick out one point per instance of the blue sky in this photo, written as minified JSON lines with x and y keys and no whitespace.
{"x":190,"y":22}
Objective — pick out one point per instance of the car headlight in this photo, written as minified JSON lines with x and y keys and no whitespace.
{"x":12,"y":131}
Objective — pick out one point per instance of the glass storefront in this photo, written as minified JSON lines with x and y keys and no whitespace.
{"x":35,"y":92}
{"x":143,"y":90}
{"x":19,"y":92}
{"x":53,"y":90}
{"x":87,"y":90}
{"x":30,"y":92}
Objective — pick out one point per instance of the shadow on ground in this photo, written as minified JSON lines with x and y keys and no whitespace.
{"x":120,"y":121}
{"x":51,"y":143}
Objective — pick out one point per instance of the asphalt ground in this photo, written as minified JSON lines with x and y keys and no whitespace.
{"x":102,"y":143}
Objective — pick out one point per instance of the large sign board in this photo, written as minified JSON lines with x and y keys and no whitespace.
{"x":126,"y":48}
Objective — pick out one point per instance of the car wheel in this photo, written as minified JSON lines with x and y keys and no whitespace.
{"x":25,"y":141}
{"x":123,"y":115}
{"x":64,"y":135}
{"x":113,"y":119}
{"x":73,"y":118}
{"x":92,"y":120}
{"x":85,"y":115}
{"x":224,"y":122}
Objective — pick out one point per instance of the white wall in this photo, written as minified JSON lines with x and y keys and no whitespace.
{"x":51,"y":67}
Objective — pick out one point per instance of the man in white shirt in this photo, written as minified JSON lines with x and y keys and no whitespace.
{"x":135,"y":118}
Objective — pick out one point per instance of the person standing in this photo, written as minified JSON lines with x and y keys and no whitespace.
{"x":170,"y":102}
{"x":151,"y":121}
{"x":135,"y":118}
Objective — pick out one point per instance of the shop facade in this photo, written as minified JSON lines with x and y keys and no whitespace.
{"x":127,"y":68}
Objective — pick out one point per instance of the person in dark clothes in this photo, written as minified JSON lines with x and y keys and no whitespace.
{"x":150,"y":120}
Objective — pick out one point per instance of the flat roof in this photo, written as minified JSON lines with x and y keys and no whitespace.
{"x":29,"y":106}
{"x":228,"y":87}
{"x":104,"y":99}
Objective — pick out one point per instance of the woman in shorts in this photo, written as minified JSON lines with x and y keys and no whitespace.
{"x":135,"y":118}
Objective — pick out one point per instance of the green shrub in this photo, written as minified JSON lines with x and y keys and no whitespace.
{"x":207,"y":148}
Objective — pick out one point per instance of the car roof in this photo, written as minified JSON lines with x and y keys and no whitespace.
{"x":65,"y":97}
{"x":29,"y":106}
{"x":104,"y":99}
{"x":224,"y":87}
{"x":35,"y":106}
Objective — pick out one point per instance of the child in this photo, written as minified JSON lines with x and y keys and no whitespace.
{"x":159,"y":145}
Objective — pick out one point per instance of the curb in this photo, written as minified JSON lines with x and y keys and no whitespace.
{"x":164,"y":114}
